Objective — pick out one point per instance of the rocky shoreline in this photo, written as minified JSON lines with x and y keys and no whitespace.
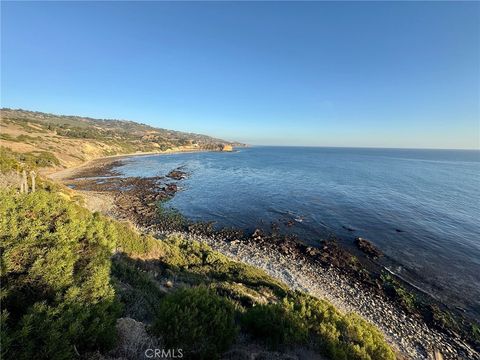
{"x":412,"y":337}
{"x":329,"y":272}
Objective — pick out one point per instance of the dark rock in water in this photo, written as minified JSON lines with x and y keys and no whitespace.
{"x":202,"y":228}
{"x":177,"y":175}
{"x":290,"y":223}
{"x":348,"y":228}
{"x":171,"y":188}
{"x":399,"y":230}
{"x":230,"y":234}
{"x":332,"y":254}
{"x":258,"y":234}
{"x":312,"y":251}
{"x":274,"y":226}
{"x":367,"y":247}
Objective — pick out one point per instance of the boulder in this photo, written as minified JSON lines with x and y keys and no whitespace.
{"x":177,"y":174}
{"x":367,"y":247}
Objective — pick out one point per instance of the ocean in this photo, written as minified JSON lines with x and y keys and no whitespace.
{"x":421,"y":208}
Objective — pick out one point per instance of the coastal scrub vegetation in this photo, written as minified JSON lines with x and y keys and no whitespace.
{"x":299,"y":317}
{"x":196,"y":320}
{"x":275,"y":324}
{"x":12,"y":161}
{"x":56,"y":293}
{"x":68,"y":274}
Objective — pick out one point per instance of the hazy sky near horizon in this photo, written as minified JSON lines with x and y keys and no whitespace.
{"x":377,"y":74}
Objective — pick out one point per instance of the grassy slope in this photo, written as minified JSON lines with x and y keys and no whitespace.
{"x":73,"y":140}
{"x":57,"y":263}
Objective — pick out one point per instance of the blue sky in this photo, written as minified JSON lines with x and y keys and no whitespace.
{"x":324,"y":74}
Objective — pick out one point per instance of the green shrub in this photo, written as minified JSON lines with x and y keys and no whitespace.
{"x":137,"y":290}
{"x":300,"y":317}
{"x":337,"y":335}
{"x":197,"y":321}
{"x":55,"y":278}
{"x":133,"y":243}
{"x":40,"y":159}
{"x":275,"y":325}
{"x":10,"y":160}
{"x":7,"y":137}
{"x":362,"y":341}
{"x":26,"y":138}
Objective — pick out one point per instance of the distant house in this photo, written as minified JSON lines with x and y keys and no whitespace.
{"x":227,"y":148}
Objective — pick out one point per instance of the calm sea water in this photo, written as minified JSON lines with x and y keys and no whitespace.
{"x":420,"y":207}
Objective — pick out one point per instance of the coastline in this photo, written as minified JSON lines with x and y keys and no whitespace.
{"x":408,"y":334}
{"x":104,"y":161}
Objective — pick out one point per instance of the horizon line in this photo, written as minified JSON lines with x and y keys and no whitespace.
{"x":362,"y":147}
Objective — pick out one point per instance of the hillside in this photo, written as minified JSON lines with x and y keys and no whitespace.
{"x":73,"y":139}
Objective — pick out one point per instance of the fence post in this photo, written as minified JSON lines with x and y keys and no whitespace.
{"x":32,"y":176}
{"x":24,"y":183}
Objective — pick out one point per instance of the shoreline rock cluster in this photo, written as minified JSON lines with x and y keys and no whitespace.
{"x":368,"y":248}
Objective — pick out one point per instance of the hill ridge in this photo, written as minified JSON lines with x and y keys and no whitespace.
{"x":75,"y":139}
